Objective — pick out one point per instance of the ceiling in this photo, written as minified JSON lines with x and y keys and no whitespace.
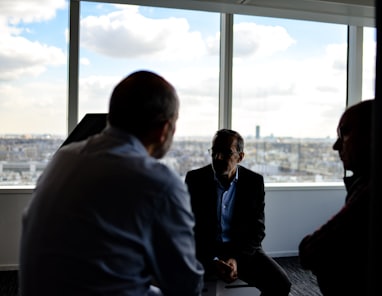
{"x":350,"y":12}
{"x":357,"y":12}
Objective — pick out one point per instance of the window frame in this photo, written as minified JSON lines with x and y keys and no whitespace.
{"x":355,"y":15}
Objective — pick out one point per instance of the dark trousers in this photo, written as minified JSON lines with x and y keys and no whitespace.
{"x":263,"y":272}
{"x":258,"y":270}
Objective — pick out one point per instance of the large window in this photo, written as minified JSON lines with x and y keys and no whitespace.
{"x":181,"y":45}
{"x":288,"y":82}
{"x":289,"y":90}
{"x":33,"y":87}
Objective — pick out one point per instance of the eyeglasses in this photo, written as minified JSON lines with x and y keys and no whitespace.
{"x":224,"y":154}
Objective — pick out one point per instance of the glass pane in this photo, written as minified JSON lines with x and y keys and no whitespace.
{"x":289,"y":90}
{"x":180,"y":45}
{"x":33,"y":87}
{"x":369,"y":57}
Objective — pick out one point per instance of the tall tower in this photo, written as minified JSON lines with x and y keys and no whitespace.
{"x":257,"y":131}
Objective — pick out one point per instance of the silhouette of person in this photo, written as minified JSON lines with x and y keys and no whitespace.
{"x":107,"y":218}
{"x":337,"y":251}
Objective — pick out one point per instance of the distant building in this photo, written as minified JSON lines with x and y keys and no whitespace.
{"x":257,"y":131}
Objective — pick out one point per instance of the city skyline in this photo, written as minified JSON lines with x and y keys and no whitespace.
{"x":278,"y":160}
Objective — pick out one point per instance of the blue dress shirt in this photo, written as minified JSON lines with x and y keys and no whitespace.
{"x":226,"y":198}
{"x":108,"y":219}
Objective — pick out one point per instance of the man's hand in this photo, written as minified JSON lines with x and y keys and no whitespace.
{"x":226,"y":270}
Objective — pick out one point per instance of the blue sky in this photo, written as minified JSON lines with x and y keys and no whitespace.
{"x":278,"y":66}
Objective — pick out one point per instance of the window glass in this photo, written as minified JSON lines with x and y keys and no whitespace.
{"x":180,"y":45}
{"x":289,"y":83}
{"x":33,"y":83}
{"x":289,"y":90}
{"x":369,"y":57}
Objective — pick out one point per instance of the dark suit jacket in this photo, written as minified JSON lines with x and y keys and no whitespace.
{"x":248,"y":229}
{"x":337,"y":252}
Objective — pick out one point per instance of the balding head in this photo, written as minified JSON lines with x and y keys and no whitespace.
{"x":141,"y":102}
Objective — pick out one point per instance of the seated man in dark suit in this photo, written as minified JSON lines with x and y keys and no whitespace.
{"x":228,"y":203}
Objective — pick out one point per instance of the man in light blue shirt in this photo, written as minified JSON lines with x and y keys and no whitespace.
{"x":107,"y":218}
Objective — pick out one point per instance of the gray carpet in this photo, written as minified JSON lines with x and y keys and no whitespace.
{"x":303,"y":282}
{"x":8,"y":283}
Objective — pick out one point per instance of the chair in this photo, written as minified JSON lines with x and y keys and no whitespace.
{"x":237,"y":288}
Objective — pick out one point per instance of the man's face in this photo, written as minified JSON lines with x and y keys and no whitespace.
{"x":349,"y":144}
{"x":225,"y":156}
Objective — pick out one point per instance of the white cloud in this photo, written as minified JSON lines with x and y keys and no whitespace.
{"x":368,"y":87}
{"x":213,"y":44}
{"x":270,"y":87}
{"x":22,"y":57}
{"x":30,"y":106}
{"x":19,"y":56}
{"x":84,"y":61}
{"x":94,"y":93}
{"x":35,"y":107}
{"x":126,"y":33}
{"x":27,"y":11}
{"x":291,"y":96}
{"x":252,"y":39}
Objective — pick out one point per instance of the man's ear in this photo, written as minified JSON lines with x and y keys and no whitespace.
{"x":160,"y":133}
{"x":241,"y":156}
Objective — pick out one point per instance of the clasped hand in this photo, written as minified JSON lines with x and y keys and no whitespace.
{"x":226,"y":270}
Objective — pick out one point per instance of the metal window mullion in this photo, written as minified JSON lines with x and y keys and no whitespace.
{"x":225,"y":75}
{"x":74,"y":33}
{"x":355,"y":67}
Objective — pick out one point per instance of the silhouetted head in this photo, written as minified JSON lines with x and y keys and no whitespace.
{"x":355,"y":137}
{"x":146,"y":105}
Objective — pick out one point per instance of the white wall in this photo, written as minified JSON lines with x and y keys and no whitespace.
{"x":291,"y":212}
{"x":12,"y":203}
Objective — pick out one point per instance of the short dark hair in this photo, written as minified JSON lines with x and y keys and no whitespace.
{"x":142,"y":101}
{"x":231,"y":133}
{"x":359,"y":116}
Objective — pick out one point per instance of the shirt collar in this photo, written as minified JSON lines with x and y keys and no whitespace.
{"x":234,"y":179}
{"x":124,"y":136}
{"x":236,"y":174}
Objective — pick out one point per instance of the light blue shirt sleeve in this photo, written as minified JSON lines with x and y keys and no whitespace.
{"x":174,"y":245}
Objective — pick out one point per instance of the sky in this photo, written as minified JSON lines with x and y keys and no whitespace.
{"x":289,"y":76}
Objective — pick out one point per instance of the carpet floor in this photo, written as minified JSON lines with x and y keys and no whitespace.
{"x":303,"y":282}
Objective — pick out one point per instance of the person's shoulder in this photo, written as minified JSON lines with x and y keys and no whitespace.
{"x":200,"y":171}
{"x":160,"y":177}
{"x":243,"y":171}
{"x":159,"y":170}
